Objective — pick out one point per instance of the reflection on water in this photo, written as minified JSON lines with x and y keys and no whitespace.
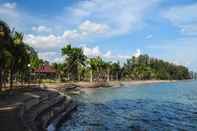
{"x":152,"y":107}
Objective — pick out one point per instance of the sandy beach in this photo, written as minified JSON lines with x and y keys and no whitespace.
{"x":90,"y":87}
{"x":118,"y":83}
{"x":84,"y":84}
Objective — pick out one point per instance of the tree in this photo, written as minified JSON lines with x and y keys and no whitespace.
{"x":5,"y":39}
{"x":144,"y":67}
{"x":20,"y":56}
{"x":116,"y":70}
{"x":15,"y":55}
{"x":74,"y":59}
{"x":59,"y":67}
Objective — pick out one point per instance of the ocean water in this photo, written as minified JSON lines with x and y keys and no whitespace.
{"x":145,"y":107}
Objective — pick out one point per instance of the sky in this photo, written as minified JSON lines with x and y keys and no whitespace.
{"x":112,"y":29}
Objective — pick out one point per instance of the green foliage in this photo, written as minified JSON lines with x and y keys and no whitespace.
{"x":74,"y":59}
{"x":60,"y":68}
{"x":136,"y":68}
{"x":144,"y":67}
{"x":15,"y":55}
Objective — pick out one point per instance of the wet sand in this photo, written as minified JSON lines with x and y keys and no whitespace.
{"x":117,"y":83}
{"x":84,"y":86}
{"x":90,"y":87}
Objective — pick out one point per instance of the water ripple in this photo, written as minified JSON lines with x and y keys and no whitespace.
{"x":124,"y":115}
{"x":107,"y":112}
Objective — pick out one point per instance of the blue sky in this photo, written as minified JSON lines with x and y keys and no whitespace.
{"x":112,"y":29}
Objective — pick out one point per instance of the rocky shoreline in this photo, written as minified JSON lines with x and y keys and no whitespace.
{"x":34,"y":109}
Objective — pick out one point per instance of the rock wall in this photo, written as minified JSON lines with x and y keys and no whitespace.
{"x":37,"y":111}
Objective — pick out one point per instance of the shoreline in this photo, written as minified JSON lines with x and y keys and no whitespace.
{"x":90,"y":87}
{"x":76,"y":87}
{"x":119,"y":83}
{"x":53,"y":97}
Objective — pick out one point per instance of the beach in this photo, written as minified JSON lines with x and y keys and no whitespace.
{"x":85,"y":86}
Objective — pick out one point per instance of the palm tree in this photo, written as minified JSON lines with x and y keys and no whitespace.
{"x":16,"y":50}
{"x":99,"y":69}
{"x":74,"y":59}
{"x":20,"y":59}
{"x":5,"y":38}
{"x":60,"y":69}
{"x":116,"y":69}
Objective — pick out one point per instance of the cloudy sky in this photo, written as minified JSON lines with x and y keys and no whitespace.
{"x":113,"y":29}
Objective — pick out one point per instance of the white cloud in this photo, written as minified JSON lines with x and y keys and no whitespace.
{"x":85,"y":29}
{"x":89,"y":27}
{"x":59,"y":59}
{"x":108,"y":54}
{"x":71,"y":35}
{"x":90,"y":18}
{"x":9,"y":5}
{"x":17,"y":18}
{"x":8,"y":10}
{"x":92,"y":52}
{"x":182,"y":51}
{"x":95,"y":51}
{"x":149,"y":36}
{"x":46,"y":55}
{"x":51,"y":56}
{"x":43,"y":42}
{"x":138,"y":53}
{"x":121,"y":16}
{"x":41,"y":29}
{"x":184,"y":17}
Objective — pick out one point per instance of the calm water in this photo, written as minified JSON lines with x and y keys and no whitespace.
{"x":154,"y":107}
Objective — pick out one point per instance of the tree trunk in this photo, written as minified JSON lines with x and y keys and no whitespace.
{"x":117,"y":76}
{"x":11,"y":79}
{"x":4,"y":79}
{"x":108,"y":75}
{"x":68,"y":76}
{"x":91,"y":79}
{"x":1,"y":79}
{"x":79,"y":78}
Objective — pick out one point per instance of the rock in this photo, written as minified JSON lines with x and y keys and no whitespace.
{"x":35,"y":111}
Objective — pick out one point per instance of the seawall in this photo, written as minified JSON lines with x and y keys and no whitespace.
{"x":34,"y":109}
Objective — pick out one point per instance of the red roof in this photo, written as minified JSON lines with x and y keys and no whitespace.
{"x":45,"y":69}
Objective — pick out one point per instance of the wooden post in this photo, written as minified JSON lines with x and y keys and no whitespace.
{"x":91,"y":79}
{"x":108,"y":75}
{"x":1,"y":79}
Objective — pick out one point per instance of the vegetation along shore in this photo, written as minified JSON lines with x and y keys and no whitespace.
{"x":20,"y":64}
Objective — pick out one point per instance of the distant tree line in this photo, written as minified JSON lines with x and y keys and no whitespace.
{"x":77,"y":66}
{"x":144,"y":67}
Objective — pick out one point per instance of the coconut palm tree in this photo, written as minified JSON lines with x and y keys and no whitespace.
{"x":74,"y":59}
{"x":16,"y":49}
{"x":21,"y":54}
{"x":5,"y":39}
